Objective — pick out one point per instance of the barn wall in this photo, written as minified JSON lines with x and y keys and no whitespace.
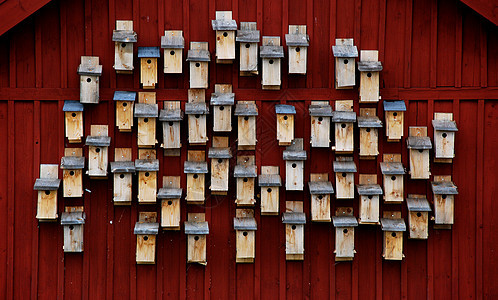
{"x":438,"y":56}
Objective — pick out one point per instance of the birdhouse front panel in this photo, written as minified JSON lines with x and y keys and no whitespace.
{"x":220,"y":155}
{"x":123,"y":168}
{"x":146,"y":132}
{"x":170,"y":195}
{"x":271,"y":54}
{"x":345,"y":67}
{"x":418,"y":216}
{"x":171,"y":117}
{"x":225,"y":29}
{"x":344,"y":241}
{"x":90,"y":72}
{"x":72,"y":221}
{"x":47,"y":186}
{"x":394,"y":113}
{"x":444,"y":137}
{"x":393,"y":188}
{"x":320,"y":190}
{"x":297,"y":42}
{"x":146,"y":230}
{"x":444,"y":206}
{"x":248,"y":38}
{"x":369,"y":68}
{"x":146,"y":111}
{"x":344,"y":117}
{"x":195,"y":188}
{"x":320,"y":112}
{"x":148,"y":66}
{"x":73,"y":120}
{"x":419,"y":144}
{"x":124,"y":109}
{"x":245,"y":245}
{"x":393,"y":227}
{"x":199,"y":57}
{"x":369,"y":209}
{"x":245,"y":173}
{"x":269,"y":181}
{"x":147,"y":167}
{"x":222,"y":101}
{"x":196,"y":169}
{"x":72,"y":165}
{"x":196,"y":229}
{"x":369,"y":125}
{"x":173,"y":43}
{"x":285,"y":123}
{"x":246,"y":112}
{"x":197,"y":109}
{"x":344,"y":169}
{"x":123,"y":38}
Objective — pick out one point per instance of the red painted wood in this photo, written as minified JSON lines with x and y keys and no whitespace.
{"x":12,"y":12}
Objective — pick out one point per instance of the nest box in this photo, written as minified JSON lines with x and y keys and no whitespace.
{"x":123,"y":37}
{"x":148,"y":66}
{"x":220,"y":155}
{"x":393,"y":228}
{"x":90,"y":72}
{"x":345,"y":53}
{"x":294,"y":234}
{"x":198,"y":57}
{"x":196,"y":229}
{"x":344,"y":223}
{"x":245,"y":173}
{"x":170,"y":195}
{"x":47,"y":186}
{"x":146,"y":230}
{"x":285,"y":123}
{"x":320,"y":112}
{"x":245,"y":227}
{"x":344,"y":178}
{"x":419,"y":144}
{"x":73,"y":222}
{"x":246,"y":112}
{"x":171,"y":117}
{"x":444,"y":191}
{"x":146,"y":128}
{"x":124,"y":109}
{"x":196,"y":169}
{"x":72,"y":165}
{"x":271,"y":54}
{"x":392,"y":172}
{"x":344,"y":125}
{"x":222,"y":101}
{"x":173,"y":43}
{"x":225,"y":29}
{"x":444,"y":137}
{"x":73,"y":120}
{"x":147,"y":180}
{"x":418,"y":216}
{"x":369,"y":68}
{"x":248,"y":38}
{"x":98,"y":144}
{"x":270,"y":182}
{"x":294,"y":157}
{"x":369,"y":125}
{"x":197,"y":110}
{"x":297,"y":42}
{"x":394,"y":111}
{"x":320,"y":190}
{"x":369,"y":192}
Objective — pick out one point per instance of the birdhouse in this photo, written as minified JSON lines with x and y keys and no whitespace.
{"x":196,"y":169}
{"x":345,"y":53}
{"x":170,"y":195}
{"x":90,"y":72}
{"x":173,"y":43}
{"x":294,"y":219}
{"x":98,"y":143}
{"x":171,"y":116}
{"x":47,"y":186}
{"x":222,"y":101}
{"x":245,"y":227}
{"x":246,"y":112}
{"x":146,"y":113}
{"x":344,"y":223}
{"x":320,"y":190}
{"x":320,"y":112}
{"x":444,"y":191}
{"x":369,"y":192}
{"x":245,"y":173}
{"x":344,"y":177}
{"x":225,"y":37}
{"x":270,"y":183}
{"x":369,"y":68}
{"x":344,"y":125}
{"x":271,"y":54}
{"x":248,"y":38}
{"x":73,"y":120}
{"x":198,"y":58}
{"x":297,"y":42}
{"x":285,"y":123}
{"x":123,"y":38}
{"x":148,"y":66}
{"x":395,"y":111}
{"x":220,"y":155}
{"x":72,"y":165}
{"x":124,"y":109}
{"x":196,"y":111}
{"x":123,"y":169}
{"x":418,"y":216}
{"x":393,"y":226}
{"x":73,"y":222}
{"x":419,"y":144}
{"x":147,"y":168}
{"x":444,"y":137}
{"x":196,"y":229}
{"x":294,"y":157}
{"x":393,"y":172}
{"x":146,"y":230}
{"x":369,"y":125}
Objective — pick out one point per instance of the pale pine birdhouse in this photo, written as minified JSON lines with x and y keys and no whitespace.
{"x":344,"y":178}
{"x":220,"y":155}
{"x":419,"y":144}
{"x":73,"y":223}
{"x":197,"y":110}
{"x":285,"y":123}
{"x":345,"y":53}
{"x":369,"y":125}
{"x":173,"y":43}
{"x":245,"y":227}
{"x":393,"y":172}
{"x":198,"y":57}
{"x":222,"y":101}
{"x":146,"y":132}
{"x":47,"y":186}
{"x":196,"y":169}
{"x":394,"y":111}
{"x":444,"y":191}
{"x":344,"y":223}
{"x":148,"y":66}
{"x":146,"y":230}
{"x":393,"y":228}
{"x":245,"y":173}
{"x":248,"y":38}
{"x":171,"y":117}
{"x":369,"y":192}
{"x":147,"y":180}
{"x":444,"y":137}
{"x":294,"y":157}
{"x":73,"y":120}
{"x":90,"y":72}
{"x":98,"y":157}
{"x":270,"y":182}
{"x":170,"y":195}
{"x":196,"y":229}
{"x":320,"y":112}
{"x":320,"y":190}
{"x":246,"y":112}
{"x":123,"y":169}
{"x":294,"y":235}
{"x":297,"y":42}
{"x":124,"y":109}
{"x":271,"y":54}
{"x":344,"y":131}
{"x":123,"y":37}
{"x":225,"y":29}
{"x":72,"y":165}
{"x":418,"y":216}
{"x":369,"y":68}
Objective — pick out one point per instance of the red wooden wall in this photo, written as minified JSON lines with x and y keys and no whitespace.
{"x":438,"y":56}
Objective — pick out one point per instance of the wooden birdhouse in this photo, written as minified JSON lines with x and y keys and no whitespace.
{"x":270,"y":182}
{"x":73,"y":223}
{"x":369,"y":67}
{"x":245,"y":173}
{"x":170,"y":195}
{"x":246,"y":112}
{"x":271,"y":54}
{"x":444,"y":137}
{"x":220,"y":154}
{"x":418,"y":216}
{"x":124,"y":109}
{"x":248,"y":38}
{"x":173,"y":43}
{"x":294,"y":157}
{"x":394,"y":111}
{"x":294,"y":219}
{"x":171,"y":117}
{"x":47,"y":186}
{"x":148,"y":66}
{"x":320,"y":190}
{"x":344,"y":118}
{"x":196,"y":110}
{"x":344,"y":223}
{"x":222,"y":101}
{"x":146,"y":230}
{"x":393,"y":226}
{"x":73,"y":120}
{"x":345,"y":53}
{"x":419,"y":144}
{"x":285,"y":123}
{"x":444,"y":191}
{"x":98,"y":158}
{"x":123,"y":37}
{"x":344,"y":169}
{"x":245,"y":227}
{"x":369,"y":125}
{"x":146,"y":111}
{"x":147,"y":167}
{"x":320,"y":112}
{"x":196,"y":229}
{"x":196,"y":169}
{"x":369,"y":192}
{"x":90,"y":72}
{"x":72,"y":165}
{"x":297,"y":42}
{"x":198,"y":57}
{"x":225,"y":29}
{"x":123,"y":169}
{"x":393,"y":172}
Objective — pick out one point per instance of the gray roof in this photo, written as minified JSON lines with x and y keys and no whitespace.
{"x":46,"y":184}
{"x":299,"y":39}
{"x":419,"y":142}
{"x":90,"y":70}
{"x":285,"y":109}
{"x":294,"y":218}
{"x":241,"y":171}
{"x":170,"y":115}
{"x":72,"y":105}
{"x":247,"y":36}
{"x":269,"y":180}
{"x":344,"y":221}
{"x":222,"y":98}
{"x":122,"y":167}
{"x":195,"y":167}
{"x":271,"y":51}
{"x":224,"y":24}
{"x":444,"y":125}
{"x":169,"y":193}
{"x":369,"y":122}
{"x":417,"y":204}
{"x":393,"y":224}
{"x":196,"y":108}
{"x":198,"y":55}
{"x":72,"y":162}
{"x":345,"y":51}
{"x":125,"y":36}
{"x":344,"y":116}
{"x":245,"y":224}
{"x":143,"y":110}
{"x":344,"y":166}
{"x":172,"y":42}
{"x":196,"y":228}
{"x":320,"y":187}
{"x":369,"y":66}
{"x":219,"y":152}
{"x":246,"y":109}
{"x":320,"y":110}
{"x":146,"y":228}
{"x":99,"y":141}
{"x":124,"y":96}
{"x":398,"y":105}
{"x":149,"y":52}
{"x":392,"y":168}
{"x":73,"y":218}
{"x":294,"y":155}
{"x":369,"y":189}
{"x":444,"y":188}
{"x":151,"y":165}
